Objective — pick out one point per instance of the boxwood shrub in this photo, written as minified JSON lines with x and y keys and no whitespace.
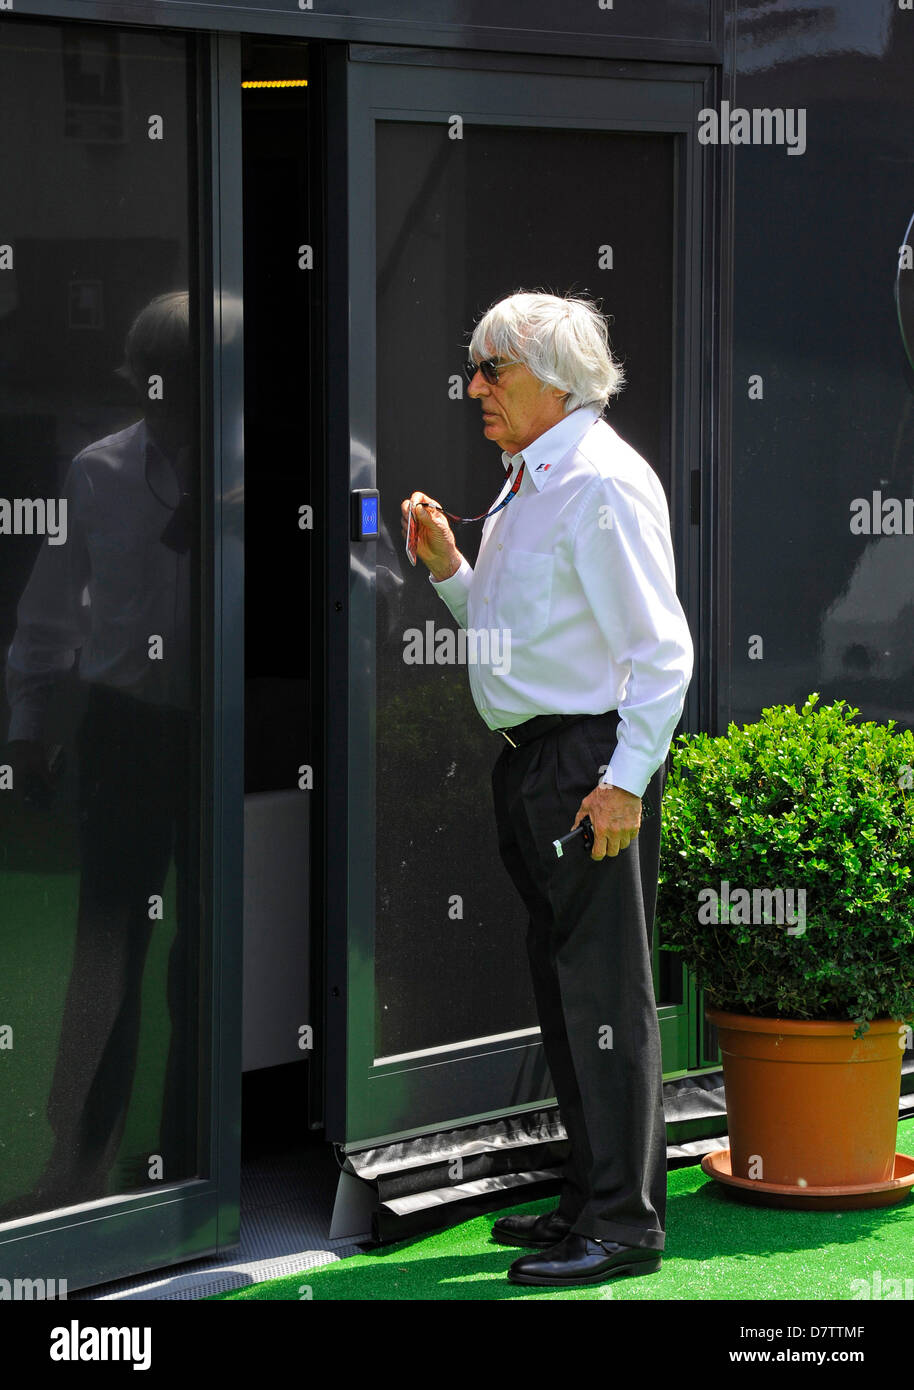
{"x":813,"y":801}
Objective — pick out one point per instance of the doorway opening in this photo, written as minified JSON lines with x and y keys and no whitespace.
{"x":284,"y":298}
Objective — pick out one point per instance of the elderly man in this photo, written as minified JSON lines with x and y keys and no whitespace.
{"x":576,"y":568}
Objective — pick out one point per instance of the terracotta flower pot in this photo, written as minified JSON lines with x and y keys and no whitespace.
{"x":809,"y":1107}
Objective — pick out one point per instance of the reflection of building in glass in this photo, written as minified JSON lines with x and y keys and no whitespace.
{"x":783,"y":31}
{"x":868,"y":632}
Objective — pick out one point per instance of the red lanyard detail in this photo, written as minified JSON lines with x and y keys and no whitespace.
{"x":504,"y":502}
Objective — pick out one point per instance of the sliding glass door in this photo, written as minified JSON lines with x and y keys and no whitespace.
{"x":465,"y":185}
{"x":106,"y":657}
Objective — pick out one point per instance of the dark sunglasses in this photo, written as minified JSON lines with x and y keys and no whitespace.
{"x":490,"y":369}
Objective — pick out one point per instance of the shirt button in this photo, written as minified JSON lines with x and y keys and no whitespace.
{"x":501,"y":547}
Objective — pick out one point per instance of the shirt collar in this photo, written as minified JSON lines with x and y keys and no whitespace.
{"x":549,"y":448}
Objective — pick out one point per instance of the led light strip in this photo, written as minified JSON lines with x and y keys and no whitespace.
{"x":285,"y":82}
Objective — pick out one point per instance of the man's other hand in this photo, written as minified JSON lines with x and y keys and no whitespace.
{"x":615,"y":815}
{"x":435,"y":545}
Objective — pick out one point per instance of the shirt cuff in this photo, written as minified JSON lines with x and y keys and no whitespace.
{"x":455,"y":590}
{"x":631,"y":771}
{"x":460,"y":579}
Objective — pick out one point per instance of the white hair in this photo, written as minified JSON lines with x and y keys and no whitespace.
{"x":563,"y":342}
{"x":159,"y":336}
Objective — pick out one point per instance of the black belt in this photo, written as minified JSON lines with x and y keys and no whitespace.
{"x":540,"y":724}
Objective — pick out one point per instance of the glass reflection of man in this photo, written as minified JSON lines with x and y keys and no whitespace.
{"x":114,"y":602}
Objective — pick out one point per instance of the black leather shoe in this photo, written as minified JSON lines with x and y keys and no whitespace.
{"x":581,"y":1260}
{"x":539,"y":1232}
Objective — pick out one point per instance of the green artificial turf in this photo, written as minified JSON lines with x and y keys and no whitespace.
{"x":717,"y":1248}
{"x":43,"y":908}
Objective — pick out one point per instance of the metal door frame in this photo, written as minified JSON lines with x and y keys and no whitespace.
{"x":126,"y":1235}
{"x":366,"y":1103}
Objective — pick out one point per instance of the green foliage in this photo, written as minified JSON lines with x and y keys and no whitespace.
{"x":812,"y":801}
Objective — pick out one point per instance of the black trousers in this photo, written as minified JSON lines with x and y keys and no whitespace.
{"x":589,"y":943}
{"x":138,"y":802}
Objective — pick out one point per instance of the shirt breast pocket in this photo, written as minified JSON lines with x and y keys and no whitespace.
{"x":119,"y":561}
{"x":525,"y":593}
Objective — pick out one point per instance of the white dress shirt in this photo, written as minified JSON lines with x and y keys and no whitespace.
{"x":109,"y":588}
{"x":578,"y":571}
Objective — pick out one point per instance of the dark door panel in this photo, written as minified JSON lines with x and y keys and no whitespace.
{"x":108,"y":648}
{"x":463,"y":187}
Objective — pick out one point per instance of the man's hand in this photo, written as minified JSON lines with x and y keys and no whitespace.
{"x":435,"y":546}
{"x":615,"y":815}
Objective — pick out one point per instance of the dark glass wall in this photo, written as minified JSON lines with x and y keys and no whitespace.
{"x":99,"y":616}
{"x":461,"y":223}
{"x":577,"y":26}
{"x":817,"y":237}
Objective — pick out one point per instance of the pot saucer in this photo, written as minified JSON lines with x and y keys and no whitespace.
{"x":848,"y":1198}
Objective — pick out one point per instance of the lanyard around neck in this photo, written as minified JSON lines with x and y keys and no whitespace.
{"x":483,"y":515}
